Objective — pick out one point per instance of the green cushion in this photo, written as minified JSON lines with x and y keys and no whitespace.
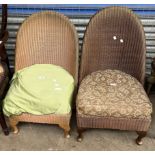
{"x":39,"y":89}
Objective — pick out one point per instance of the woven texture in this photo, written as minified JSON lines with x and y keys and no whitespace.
{"x":113,"y":123}
{"x":114,"y":39}
{"x":49,"y":119}
{"x":47,"y":38}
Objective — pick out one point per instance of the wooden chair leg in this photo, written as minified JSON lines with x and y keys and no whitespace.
{"x":13,"y":125}
{"x":80,"y":134}
{"x":3,"y":124}
{"x":141,"y":135}
{"x":66,"y":128}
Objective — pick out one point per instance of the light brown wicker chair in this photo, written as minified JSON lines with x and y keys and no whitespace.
{"x":114,"y":39}
{"x":46,"y":38}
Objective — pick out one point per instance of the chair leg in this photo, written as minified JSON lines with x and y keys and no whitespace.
{"x":141,"y":134}
{"x":66,"y":128}
{"x":13,"y":125}
{"x":80,"y":134}
{"x":3,"y":124}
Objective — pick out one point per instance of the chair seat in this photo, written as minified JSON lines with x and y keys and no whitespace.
{"x":37,"y":89}
{"x":113,"y":93}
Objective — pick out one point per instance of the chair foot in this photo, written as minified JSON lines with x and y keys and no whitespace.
{"x":80,"y":134}
{"x":66,"y":133}
{"x":13,"y":125}
{"x":141,"y":135}
{"x":67,"y":136}
{"x":6,"y":132}
{"x":66,"y":129}
{"x":15,"y":129}
{"x":79,"y":139}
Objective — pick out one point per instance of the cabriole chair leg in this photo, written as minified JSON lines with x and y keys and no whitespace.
{"x":13,"y":125}
{"x":80,"y":134}
{"x":66,"y":128}
{"x":141,"y":135}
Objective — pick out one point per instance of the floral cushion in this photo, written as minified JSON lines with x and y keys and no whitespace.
{"x":113,"y":93}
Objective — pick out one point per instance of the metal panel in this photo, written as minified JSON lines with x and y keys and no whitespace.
{"x":80,"y":16}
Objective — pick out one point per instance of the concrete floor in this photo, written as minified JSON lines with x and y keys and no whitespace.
{"x":50,"y":137}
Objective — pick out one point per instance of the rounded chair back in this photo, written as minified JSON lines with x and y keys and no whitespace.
{"x":114,"y":39}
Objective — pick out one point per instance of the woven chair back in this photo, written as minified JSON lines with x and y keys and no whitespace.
{"x":114,"y":39}
{"x":47,"y":38}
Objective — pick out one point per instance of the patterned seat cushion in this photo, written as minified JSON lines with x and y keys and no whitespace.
{"x":112,"y":93}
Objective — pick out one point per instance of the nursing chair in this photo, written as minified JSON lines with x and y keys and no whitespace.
{"x":112,"y":73}
{"x":46,"y":38}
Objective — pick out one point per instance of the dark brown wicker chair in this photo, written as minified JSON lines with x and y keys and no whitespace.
{"x":114,"y":39}
{"x":46,"y":38}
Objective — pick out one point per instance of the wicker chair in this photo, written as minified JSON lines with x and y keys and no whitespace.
{"x":46,"y":38}
{"x":114,"y":39}
{"x":4,"y":79}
